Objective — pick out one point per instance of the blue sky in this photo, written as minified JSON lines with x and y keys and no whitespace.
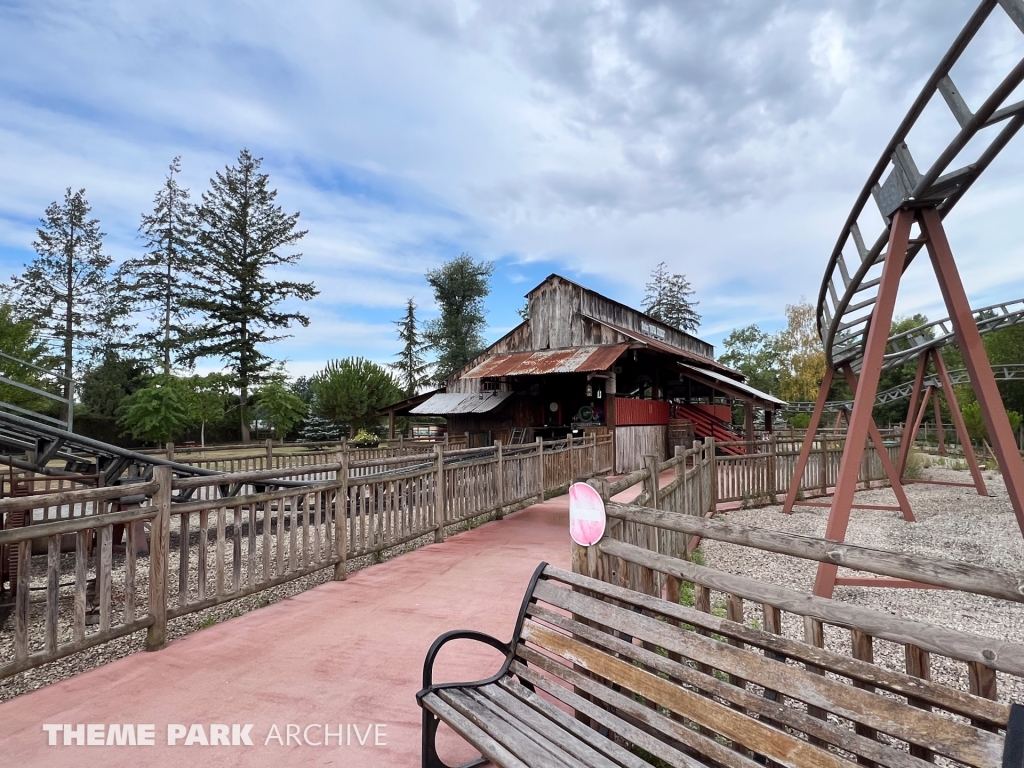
{"x":593,"y":139}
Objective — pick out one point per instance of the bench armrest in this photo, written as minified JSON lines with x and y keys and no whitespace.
{"x":458,"y":634}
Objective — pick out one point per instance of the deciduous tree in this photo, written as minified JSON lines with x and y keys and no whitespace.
{"x":158,"y":412}
{"x":460,"y":287}
{"x":279,"y":408}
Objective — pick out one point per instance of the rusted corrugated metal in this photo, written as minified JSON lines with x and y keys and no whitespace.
{"x":571,"y":360}
{"x":458,"y":402}
{"x":632,"y":412}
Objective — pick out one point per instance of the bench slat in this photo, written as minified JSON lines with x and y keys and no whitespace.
{"x":556,"y":740}
{"x":776,"y":745}
{"x":488,"y":747}
{"x":532,"y":751}
{"x":953,"y":739}
{"x":654,"y":742}
{"x":544,"y":708}
{"x":770,"y":711}
{"x":959,"y":702}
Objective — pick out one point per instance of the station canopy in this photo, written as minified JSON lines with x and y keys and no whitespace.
{"x":448,"y":403}
{"x":732,"y":387}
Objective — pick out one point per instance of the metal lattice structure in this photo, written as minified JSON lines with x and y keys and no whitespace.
{"x":906,"y":207}
{"x":1008,"y":372}
{"x":849,"y":289}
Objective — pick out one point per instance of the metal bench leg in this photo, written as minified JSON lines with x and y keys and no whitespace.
{"x":430,"y":758}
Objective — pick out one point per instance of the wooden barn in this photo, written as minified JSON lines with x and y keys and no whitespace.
{"x":584,"y":363}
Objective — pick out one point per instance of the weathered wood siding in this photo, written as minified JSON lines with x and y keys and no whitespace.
{"x":633,"y":443}
{"x":564,"y":315}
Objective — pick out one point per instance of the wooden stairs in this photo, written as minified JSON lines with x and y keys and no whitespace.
{"x":707,"y":425}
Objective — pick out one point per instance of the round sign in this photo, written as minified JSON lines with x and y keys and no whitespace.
{"x":586,"y":515}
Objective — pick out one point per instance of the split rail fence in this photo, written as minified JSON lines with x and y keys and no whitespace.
{"x":954,"y":672}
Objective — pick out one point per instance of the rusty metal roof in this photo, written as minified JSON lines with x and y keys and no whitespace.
{"x":447,"y":403}
{"x":568,"y":360}
{"x":744,"y":391}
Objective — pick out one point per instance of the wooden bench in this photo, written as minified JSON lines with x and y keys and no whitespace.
{"x":600,"y":676}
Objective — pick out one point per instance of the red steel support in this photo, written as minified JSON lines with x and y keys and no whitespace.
{"x":976,"y":361}
{"x":915,"y":394}
{"x":958,"y":424}
{"x":808,"y":444}
{"x":883,"y":455}
{"x":867,"y":388}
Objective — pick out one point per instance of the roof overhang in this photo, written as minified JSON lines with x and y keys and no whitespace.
{"x":409,"y":402}
{"x":732,"y":387}
{"x":450,"y":403}
{"x":657,"y":345}
{"x":544,"y":361}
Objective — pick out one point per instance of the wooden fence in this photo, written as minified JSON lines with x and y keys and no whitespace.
{"x":214,"y":539}
{"x":765,"y":471}
{"x":639,"y":553}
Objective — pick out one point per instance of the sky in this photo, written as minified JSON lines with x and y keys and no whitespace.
{"x":593,"y":139}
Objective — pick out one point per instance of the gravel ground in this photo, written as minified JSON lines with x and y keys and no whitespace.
{"x":952,"y":523}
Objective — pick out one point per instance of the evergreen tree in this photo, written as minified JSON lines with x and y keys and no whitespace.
{"x":460,"y":287}
{"x":242,"y":233}
{"x":350,"y":391}
{"x":668,"y":299}
{"x":319,"y":430}
{"x":160,"y":281}
{"x":411,"y":366}
{"x":66,"y":292}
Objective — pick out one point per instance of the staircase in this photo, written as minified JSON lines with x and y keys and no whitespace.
{"x":706,"y":425}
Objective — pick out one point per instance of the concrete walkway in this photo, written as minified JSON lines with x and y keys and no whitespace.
{"x":347,"y":653}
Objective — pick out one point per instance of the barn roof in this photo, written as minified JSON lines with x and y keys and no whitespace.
{"x":537,"y":363}
{"x":664,"y":346}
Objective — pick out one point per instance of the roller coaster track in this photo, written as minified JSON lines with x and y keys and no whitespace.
{"x":848,"y":291}
{"x":1011,"y":372}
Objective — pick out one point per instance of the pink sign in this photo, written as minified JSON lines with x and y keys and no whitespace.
{"x":586,"y":515}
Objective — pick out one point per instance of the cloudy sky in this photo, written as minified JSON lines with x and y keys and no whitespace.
{"x":593,"y":139}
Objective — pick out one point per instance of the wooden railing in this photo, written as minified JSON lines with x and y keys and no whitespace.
{"x":218,"y":538}
{"x":764,"y":473}
{"x":82,"y":613}
{"x":639,"y":553}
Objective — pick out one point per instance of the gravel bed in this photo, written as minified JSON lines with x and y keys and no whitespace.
{"x":953,"y":523}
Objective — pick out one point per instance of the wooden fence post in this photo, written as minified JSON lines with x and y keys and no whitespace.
{"x":169,"y":448}
{"x":540,"y":469}
{"x":341,"y":520}
{"x":270,"y":453}
{"x":713,"y":474}
{"x":501,"y":480}
{"x":439,"y":495}
{"x":159,"y":535}
{"x":651,"y":464}
{"x":773,"y":455}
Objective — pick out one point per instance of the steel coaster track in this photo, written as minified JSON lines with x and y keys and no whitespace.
{"x":50,"y":442}
{"x":1008,"y":372}
{"x":849,"y":288}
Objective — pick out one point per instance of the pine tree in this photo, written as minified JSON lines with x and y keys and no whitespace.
{"x":411,"y":366}
{"x":319,"y":430}
{"x":67,"y":292}
{"x":668,"y":299}
{"x":460,"y":287}
{"x":160,"y":280}
{"x":241,"y":235}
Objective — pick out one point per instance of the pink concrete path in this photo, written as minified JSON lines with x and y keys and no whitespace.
{"x":345,"y":652}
